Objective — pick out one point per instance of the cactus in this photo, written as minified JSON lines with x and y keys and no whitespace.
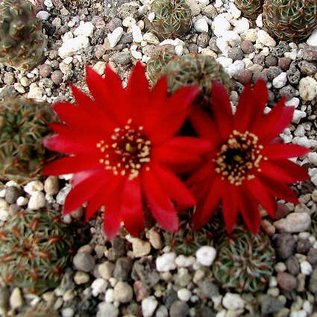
{"x":22,"y":42}
{"x":195,"y":69}
{"x":35,"y":247}
{"x":40,"y":310}
{"x":290,"y":20}
{"x":23,"y":124}
{"x":172,"y":19}
{"x":250,"y":8}
{"x":245,"y":262}
{"x":158,"y":60}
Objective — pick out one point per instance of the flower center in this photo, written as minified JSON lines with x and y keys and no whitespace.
{"x":128,"y":151}
{"x":238,"y":159}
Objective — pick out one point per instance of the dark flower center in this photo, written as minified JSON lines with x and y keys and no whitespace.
{"x":128,"y":151}
{"x":239,"y":157}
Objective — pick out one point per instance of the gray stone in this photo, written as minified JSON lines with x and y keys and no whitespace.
{"x":309,"y":53}
{"x":208,"y":289}
{"x":259,"y":75}
{"x":143,"y":270}
{"x":8,"y":78}
{"x":303,"y":246}
{"x":235,"y":53}
{"x":284,"y":63}
{"x":244,"y":76}
{"x":84,"y":262}
{"x":204,"y":311}
{"x":45,"y":70}
{"x":121,"y":58}
{"x":203,"y":39}
{"x":285,"y":245}
{"x":270,"y":60}
{"x":288,"y":92}
{"x":118,"y":247}
{"x":307,"y":68}
{"x":292,"y":265}
{"x":280,"y":49}
{"x":57,"y":77}
{"x":273,"y":72}
{"x":4,"y":298}
{"x":286,"y":281}
{"x":179,"y":309}
{"x":313,"y":282}
{"x":293,"y":75}
{"x":312,"y":256}
{"x":113,"y":24}
{"x":247,"y":47}
{"x":122,"y":268}
{"x":122,"y":292}
{"x":170,"y":297}
{"x":12,"y":193}
{"x":270,"y":305}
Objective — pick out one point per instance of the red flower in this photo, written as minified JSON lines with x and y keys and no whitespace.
{"x":121,"y":147}
{"x":246,"y":166}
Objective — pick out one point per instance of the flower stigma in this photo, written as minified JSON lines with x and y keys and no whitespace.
{"x":239,"y":157}
{"x":128,"y":151}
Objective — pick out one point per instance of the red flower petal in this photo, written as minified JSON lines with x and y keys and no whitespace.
{"x":283,"y":151}
{"x":207,"y":207}
{"x":250,"y":212}
{"x":221,"y":108}
{"x":260,"y":94}
{"x":230,"y":205}
{"x":132,"y":208}
{"x":174,"y":187}
{"x":71,"y":164}
{"x":262,"y":195}
{"x":283,"y":171}
{"x":112,"y":217}
{"x":159,"y":202}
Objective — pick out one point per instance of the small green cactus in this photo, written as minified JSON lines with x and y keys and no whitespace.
{"x":250,"y":8}
{"x":195,"y":69}
{"x":158,"y":60}
{"x":173,"y":18}
{"x":22,"y":42}
{"x":23,"y":124}
{"x":290,"y":20}
{"x":40,"y":310}
{"x":245,"y":262}
{"x":35,"y":247}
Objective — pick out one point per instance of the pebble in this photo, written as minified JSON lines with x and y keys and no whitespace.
{"x":161,"y":312}
{"x":233,"y":301}
{"x":294,"y":222}
{"x":45,"y":70}
{"x":312,"y":40}
{"x":84,"y":29}
{"x":36,"y":201}
{"x":184,"y":261}
{"x":35,"y":93}
{"x":280,"y":81}
{"x":106,"y":269}
{"x":292,"y":265}
{"x":184,"y":294}
{"x":115,"y":36}
{"x":57,"y":77}
{"x":16,"y":299}
{"x":22,"y":201}
{"x":247,"y":47}
{"x":308,"y":88}
{"x":72,"y":46}
{"x":241,"y":26}
{"x":109,"y":295}
{"x":312,"y":256}
{"x":270,"y":305}
{"x":205,"y":255}
{"x":108,"y":310}
{"x":68,"y":312}
{"x":286,"y":281}
{"x":265,"y":39}
{"x":123,"y":292}
{"x":136,"y":34}
{"x":201,"y":25}
{"x":81,"y":278}
{"x":33,"y":186}
{"x":12,"y":193}
{"x":4,"y":210}
{"x":179,"y":309}
{"x":298,"y":313}
{"x":155,"y":239}
{"x":84,"y":262}
{"x":51,"y":185}
{"x":166,"y":262}
{"x":194,"y":7}
{"x":219,"y":25}
{"x":140,"y":248}
{"x":285,"y":245}
{"x":149,"y":305}
{"x":122,"y":268}
{"x":306,"y":268}
{"x":98,"y":286}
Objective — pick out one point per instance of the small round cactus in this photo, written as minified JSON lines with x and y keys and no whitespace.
{"x":23,"y":124}
{"x":22,"y":42}
{"x":195,"y":69}
{"x":250,"y":8}
{"x":158,"y":60}
{"x":35,"y":247}
{"x":245,"y":262}
{"x":172,"y":19}
{"x":290,"y":20}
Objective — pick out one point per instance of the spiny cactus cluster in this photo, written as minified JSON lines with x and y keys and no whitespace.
{"x":22,"y":42}
{"x":35,"y":247}
{"x":39,"y":310}
{"x":23,"y":124}
{"x":195,"y":69}
{"x":172,"y":19}
{"x":160,"y":57}
{"x":290,"y":20}
{"x":245,"y":262}
{"x":250,"y":8}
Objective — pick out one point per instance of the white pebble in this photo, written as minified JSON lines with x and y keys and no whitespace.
{"x":307,"y":306}
{"x":84,"y":29}
{"x":201,"y":25}
{"x":219,"y":25}
{"x":42,"y":15}
{"x":241,"y":26}
{"x":298,"y":313}
{"x":232,"y":38}
{"x":179,"y":49}
{"x":115,"y":36}
{"x":265,"y":39}
{"x":16,"y":299}
{"x":312,"y":40}
{"x":4,"y":210}
{"x":22,"y":201}
{"x":298,"y":115}
{"x":149,"y":305}
{"x":205,"y":255}
{"x":98,"y":286}
{"x":280,"y":80}
{"x":294,"y":102}
{"x":184,"y":294}
{"x":184,"y":261}
{"x":234,"y":11}
{"x":33,"y":186}
{"x":166,"y":262}
{"x":312,"y":156}
{"x":233,"y":301}
{"x":37,"y":201}
{"x":68,"y":312}
{"x":109,"y":295}
{"x":294,"y":222}
{"x":128,"y":21}
{"x":73,"y":46}
{"x":136,"y":34}
{"x":151,"y":16}
{"x":235,"y":68}
{"x":308,"y":88}
{"x":306,"y":268}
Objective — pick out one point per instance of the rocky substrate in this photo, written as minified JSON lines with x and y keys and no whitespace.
{"x":145,"y":276}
